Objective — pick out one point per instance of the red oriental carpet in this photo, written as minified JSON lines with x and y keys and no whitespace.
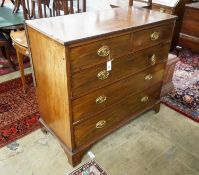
{"x":18,"y":111}
{"x":185,"y":96}
{"x":90,"y":168}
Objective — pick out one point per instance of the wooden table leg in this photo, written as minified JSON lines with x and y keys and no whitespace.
{"x":20,"y":58}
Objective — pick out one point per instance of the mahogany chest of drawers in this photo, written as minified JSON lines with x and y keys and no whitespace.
{"x":96,"y":71}
{"x":189,"y":35}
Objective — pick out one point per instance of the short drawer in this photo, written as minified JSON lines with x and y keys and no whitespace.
{"x":98,"y":52}
{"x":101,"y":99}
{"x":150,"y":37}
{"x":122,"y":67}
{"x":98,"y":126}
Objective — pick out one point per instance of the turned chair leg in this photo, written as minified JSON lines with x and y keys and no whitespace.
{"x":17,"y":5}
{"x":7,"y":56}
{"x":2,"y":3}
{"x":21,"y":67}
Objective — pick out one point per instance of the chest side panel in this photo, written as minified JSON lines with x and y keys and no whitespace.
{"x":49,"y":62}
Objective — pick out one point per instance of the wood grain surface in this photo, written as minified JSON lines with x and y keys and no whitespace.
{"x":51,"y":84}
{"x":86,"y":81}
{"x":77,"y":27}
{"x":86,"y":106}
{"x":87,"y":131}
{"x":142,"y":39}
{"x":118,"y":46}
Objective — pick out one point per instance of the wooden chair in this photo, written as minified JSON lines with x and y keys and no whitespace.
{"x":124,"y":3}
{"x":16,"y":6}
{"x":40,"y":9}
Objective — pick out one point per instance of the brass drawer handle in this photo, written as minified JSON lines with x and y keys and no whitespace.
{"x":104,"y":51}
{"x":153,"y":59}
{"x":148,"y":77}
{"x":100,"y":124}
{"x":103,"y":75}
{"x":154,"y":36}
{"x":144,"y":99}
{"x":101,"y":99}
{"x":162,"y":10}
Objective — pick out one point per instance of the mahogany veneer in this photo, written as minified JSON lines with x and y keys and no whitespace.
{"x":189,"y":36}
{"x":80,"y":101}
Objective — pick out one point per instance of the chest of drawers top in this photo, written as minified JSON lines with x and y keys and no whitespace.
{"x":71,"y":29}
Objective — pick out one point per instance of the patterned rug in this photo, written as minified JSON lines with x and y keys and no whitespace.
{"x":90,"y":168}
{"x":18,"y":111}
{"x":185,"y":96}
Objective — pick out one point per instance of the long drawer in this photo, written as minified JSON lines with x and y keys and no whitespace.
{"x":98,"y":52}
{"x":88,"y":80}
{"x":150,"y":37}
{"x":93,"y":128}
{"x":97,"y":101}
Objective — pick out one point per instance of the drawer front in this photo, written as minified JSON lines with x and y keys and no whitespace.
{"x":87,"y":80}
{"x":91,"y":130}
{"x":150,"y":37}
{"x":162,"y":9}
{"x":95,"y":53}
{"x":101,"y":99}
